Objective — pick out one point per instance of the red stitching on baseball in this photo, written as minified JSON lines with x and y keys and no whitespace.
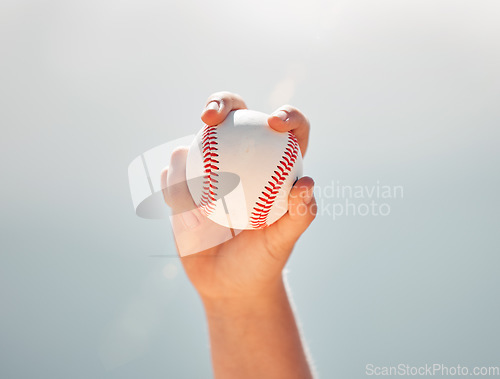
{"x":210,"y":167}
{"x":260,"y":213}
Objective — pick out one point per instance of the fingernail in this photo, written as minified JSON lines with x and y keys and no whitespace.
{"x":190,"y":220}
{"x":213,"y":105}
{"x":281,"y":114}
{"x":308,"y":195}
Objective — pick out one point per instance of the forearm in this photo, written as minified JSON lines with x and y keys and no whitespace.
{"x":256,"y":337}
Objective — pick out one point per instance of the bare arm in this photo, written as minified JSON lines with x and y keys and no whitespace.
{"x":256,"y":337}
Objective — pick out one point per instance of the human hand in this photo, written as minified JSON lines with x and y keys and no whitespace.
{"x":248,"y":264}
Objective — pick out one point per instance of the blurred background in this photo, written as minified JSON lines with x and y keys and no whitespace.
{"x":403,"y":93}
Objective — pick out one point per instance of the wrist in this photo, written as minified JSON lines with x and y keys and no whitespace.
{"x":254,"y":303}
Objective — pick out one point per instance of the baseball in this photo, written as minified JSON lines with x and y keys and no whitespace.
{"x":241,"y":171}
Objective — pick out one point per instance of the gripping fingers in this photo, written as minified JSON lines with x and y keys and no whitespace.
{"x":219,"y":105}
{"x":302,"y":210}
{"x":193,"y":232}
{"x":301,"y":202}
{"x":287,"y":118}
{"x":174,"y":186}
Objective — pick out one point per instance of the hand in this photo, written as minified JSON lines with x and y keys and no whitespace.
{"x":251,"y":262}
{"x":253,"y":333}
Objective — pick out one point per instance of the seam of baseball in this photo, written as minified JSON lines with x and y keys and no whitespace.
{"x":260,"y":213}
{"x":210,"y":166}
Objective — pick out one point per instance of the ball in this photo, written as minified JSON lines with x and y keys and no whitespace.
{"x":240,"y":172}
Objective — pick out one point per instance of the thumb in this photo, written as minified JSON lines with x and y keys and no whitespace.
{"x":301,"y":213}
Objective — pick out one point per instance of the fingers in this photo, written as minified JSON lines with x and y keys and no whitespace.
{"x":219,"y":105}
{"x":173,"y":182}
{"x":301,"y":212}
{"x":284,"y":119}
{"x":288,"y":118}
{"x":193,"y":232}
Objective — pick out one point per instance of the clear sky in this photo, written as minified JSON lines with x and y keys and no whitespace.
{"x":399,"y":93}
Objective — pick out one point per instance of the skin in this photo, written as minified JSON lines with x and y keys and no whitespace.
{"x":253,"y":332}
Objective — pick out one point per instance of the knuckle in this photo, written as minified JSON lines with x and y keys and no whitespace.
{"x":289,"y":108}
{"x":296,"y":114}
{"x":220,"y":96}
{"x":227,"y":100}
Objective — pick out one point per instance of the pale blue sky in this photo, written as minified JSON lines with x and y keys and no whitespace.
{"x":404,"y":93}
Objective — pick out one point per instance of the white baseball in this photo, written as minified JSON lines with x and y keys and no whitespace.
{"x":240,"y":172}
